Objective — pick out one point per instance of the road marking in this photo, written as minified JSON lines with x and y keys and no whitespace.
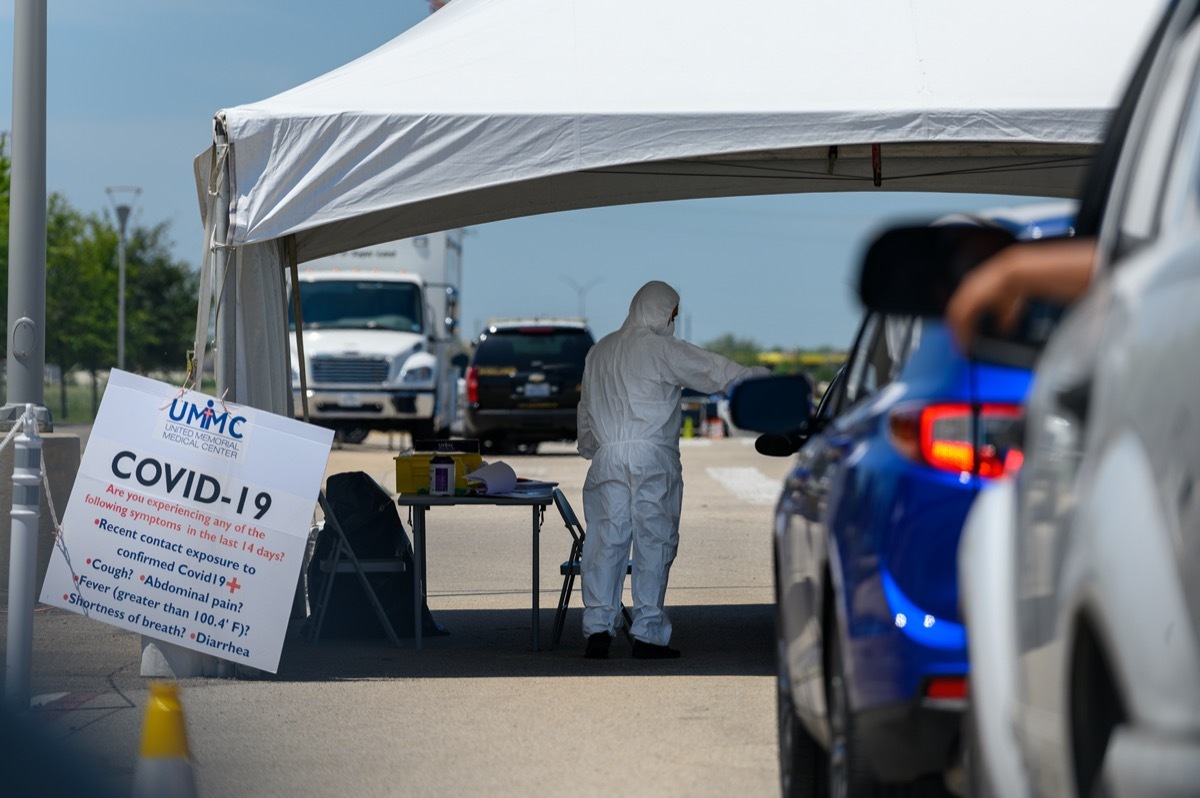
{"x":748,"y":484}
{"x":42,"y":700}
{"x":53,"y":707}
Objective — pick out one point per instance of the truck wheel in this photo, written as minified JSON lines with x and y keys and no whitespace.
{"x":354,"y":434}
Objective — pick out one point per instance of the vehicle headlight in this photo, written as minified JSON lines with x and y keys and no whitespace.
{"x":419,"y":374}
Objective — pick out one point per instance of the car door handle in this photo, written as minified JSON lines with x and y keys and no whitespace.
{"x":1076,"y":398}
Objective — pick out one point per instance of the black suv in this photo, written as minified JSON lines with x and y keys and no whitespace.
{"x":523,"y":383}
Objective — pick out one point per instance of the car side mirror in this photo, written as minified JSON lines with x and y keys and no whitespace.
{"x":774,"y":445}
{"x":913,"y":271}
{"x":777,"y":405}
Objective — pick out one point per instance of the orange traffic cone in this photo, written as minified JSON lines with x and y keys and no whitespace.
{"x":164,"y":769}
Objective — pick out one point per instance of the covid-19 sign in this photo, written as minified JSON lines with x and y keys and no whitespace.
{"x":189,"y":520}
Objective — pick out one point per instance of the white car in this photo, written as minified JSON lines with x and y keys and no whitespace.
{"x":1081,"y":577}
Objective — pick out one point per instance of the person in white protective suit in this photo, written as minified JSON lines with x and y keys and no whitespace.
{"x":629,"y":423}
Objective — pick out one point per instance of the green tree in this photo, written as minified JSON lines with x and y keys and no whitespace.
{"x":824,"y":372}
{"x":81,"y":292}
{"x":160,"y":303}
{"x":80,"y":312}
{"x":82,"y":302}
{"x":740,"y":350}
{"x":75,"y":284}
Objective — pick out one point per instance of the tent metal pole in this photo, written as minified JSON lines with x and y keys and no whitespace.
{"x":294,"y":270}
{"x":226,"y":311}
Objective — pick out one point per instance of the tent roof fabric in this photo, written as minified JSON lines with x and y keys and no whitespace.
{"x":491,"y":109}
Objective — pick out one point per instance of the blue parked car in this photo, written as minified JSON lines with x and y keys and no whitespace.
{"x":871,"y":651}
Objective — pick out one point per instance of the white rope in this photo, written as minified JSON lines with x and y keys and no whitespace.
{"x":200,"y":341}
{"x":49,"y":498}
{"x":58,"y":537}
{"x":27,"y":421}
{"x":12,"y":433}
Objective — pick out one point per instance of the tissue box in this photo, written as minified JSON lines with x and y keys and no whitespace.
{"x":412,"y":470}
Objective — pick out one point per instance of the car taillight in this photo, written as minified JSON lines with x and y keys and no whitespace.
{"x":473,"y":384}
{"x":946,"y":688}
{"x":943,"y":436}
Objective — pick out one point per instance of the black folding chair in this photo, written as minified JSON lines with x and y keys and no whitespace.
{"x":570,"y":567}
{"x":333,"y":564}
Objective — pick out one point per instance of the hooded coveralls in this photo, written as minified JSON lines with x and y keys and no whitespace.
{"x":629,"y":422}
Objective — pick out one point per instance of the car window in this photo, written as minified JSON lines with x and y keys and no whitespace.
{"x":831,"y":400}
{"x":359,"y":305}
{"x":857,"y":377}
{"x":884,"y":345}
{"x":1182,"y":202}
{"x":1098,"y":186}
{"x":1151,"y":163}
{"x":524,"y":347}
{"x":905,"y":335}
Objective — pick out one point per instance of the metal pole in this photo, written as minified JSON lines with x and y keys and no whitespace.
{"x":582,"y":291}
{"x":123,"y":210}
{"x":26,"y":360}
{"x":27,"y":221}
{"x":121,"y":293}
{"x":22,"y":564}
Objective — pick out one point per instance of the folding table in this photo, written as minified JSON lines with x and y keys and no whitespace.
{"x":420,"y":503}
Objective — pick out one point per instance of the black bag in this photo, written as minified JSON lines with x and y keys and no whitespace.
{"x":373,"y":529}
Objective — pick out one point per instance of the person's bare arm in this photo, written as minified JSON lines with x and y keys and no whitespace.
{"x":1054,"y":270}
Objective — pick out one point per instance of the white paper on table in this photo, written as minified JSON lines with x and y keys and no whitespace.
{"x":532,"y":487}
{"x":493,"y":478}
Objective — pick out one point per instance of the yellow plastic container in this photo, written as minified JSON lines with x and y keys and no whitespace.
{"x":412,"y":470}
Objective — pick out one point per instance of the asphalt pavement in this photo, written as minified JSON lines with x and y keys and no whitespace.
{"x":473,"y":712}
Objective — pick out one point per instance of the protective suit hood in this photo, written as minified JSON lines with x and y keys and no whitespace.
{"x":651,"y":308}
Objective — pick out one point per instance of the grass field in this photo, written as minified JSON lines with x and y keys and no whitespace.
{"x":76,"y":400}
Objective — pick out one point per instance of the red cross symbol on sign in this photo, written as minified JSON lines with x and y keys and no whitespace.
{"x":233,"y":585}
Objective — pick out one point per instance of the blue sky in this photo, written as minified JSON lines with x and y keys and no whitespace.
{"x":133,"y":86}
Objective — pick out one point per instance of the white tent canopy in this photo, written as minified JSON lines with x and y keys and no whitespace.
{"x":493,"y":109}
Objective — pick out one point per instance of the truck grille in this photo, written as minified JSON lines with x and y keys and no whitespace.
{"x":349,"y":370}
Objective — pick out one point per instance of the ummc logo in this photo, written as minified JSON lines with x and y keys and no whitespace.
{"x":206,"y":418}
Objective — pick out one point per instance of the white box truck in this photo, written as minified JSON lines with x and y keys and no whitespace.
{"x":380,"y":339}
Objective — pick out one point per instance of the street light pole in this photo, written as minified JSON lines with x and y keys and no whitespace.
{"x":582,"y":291}
{"x":122,"y":198}
{"x":27,"y":217}
{"x":26,"y":332}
